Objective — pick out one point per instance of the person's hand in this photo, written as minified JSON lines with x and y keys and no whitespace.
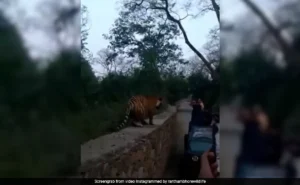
{"x":261,"y":118}
{"x":201,"y":104}
{"x":208,"y":170}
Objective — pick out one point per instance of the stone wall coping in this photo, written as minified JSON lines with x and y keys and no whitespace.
{"x":99,"y":148}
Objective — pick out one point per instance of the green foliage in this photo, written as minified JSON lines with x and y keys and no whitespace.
{"x":119,"y":87}
{"x":84,"y":30}
{"x":205,"y":89}
{"x":147,"y":38}
{"x":255,"y":76}
{"x":36,"y":141}
{"x":45,"y":114}
{"x":246,"y":75}
{"x":41,"y":150}
{"x":177,"y":88}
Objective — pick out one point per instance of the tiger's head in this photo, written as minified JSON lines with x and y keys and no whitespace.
{"x":158,"y":102}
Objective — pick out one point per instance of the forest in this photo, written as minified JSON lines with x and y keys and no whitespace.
{"x":50,"y":107}
{"x":47,"y":111}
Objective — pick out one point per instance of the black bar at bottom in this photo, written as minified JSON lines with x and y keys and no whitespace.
{"x":79,"y":181}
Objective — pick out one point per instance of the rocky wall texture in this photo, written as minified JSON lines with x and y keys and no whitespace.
{"x":141,"y":152}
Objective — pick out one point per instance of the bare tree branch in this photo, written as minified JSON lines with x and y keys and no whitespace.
{"x":187,"y":15}
{"x":179,"y":18}
{"x":216,"y":9}
{"x":171,"y":18}
{"x":285,"y":47}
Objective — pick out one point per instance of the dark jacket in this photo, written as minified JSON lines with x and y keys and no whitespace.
{"x":258,"y":147}
{"x":197,"y":116}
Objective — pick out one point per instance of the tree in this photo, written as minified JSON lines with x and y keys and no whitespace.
{"x":254,"y":75}
{"x":84,"y":33}
{"x":145,"y":38}
{"x":18,"y":73}
{"x":195,"y":66}
{"x":287,"y":17}
{"x":201,"y":81}
{"x":286,"y":49}
{"x":108,"y":60}
{"x":57,"y":20}
{"x":216,"y":9}
{"x":89,"y":82}
{"x":28,"y":97}
{"x":165,"y":9}
{"x":203,"y":7}
{"x":212,"y":47}
{"x":60,"y":22}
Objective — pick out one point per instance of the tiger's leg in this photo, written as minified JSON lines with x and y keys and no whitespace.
{"x":144,"y":122}
{"x":142,"y":115}
{"x":137,"y":124}
{"x":151,"y":119}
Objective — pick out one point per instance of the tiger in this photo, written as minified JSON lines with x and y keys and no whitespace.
{"x":139,"y":108}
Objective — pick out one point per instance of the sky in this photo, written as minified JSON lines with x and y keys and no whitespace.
{"x":232,"y":9}
{"x":33,"y":19}
{"x":102,"y":14}
{"x":234,"y":41}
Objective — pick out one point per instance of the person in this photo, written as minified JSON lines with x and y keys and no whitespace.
{"x":208,"y":169}
{"x":260,"y":145}
{"x":216,"y":139}
{"x":255,"y":115}
{"x":197,"y":114}
{"x":197,"y":102}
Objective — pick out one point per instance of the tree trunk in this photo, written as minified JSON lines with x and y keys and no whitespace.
{"x":216,"y":9}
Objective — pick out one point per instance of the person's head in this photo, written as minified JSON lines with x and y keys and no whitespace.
{"x":197,"y":102}
{"x":254,"y":115}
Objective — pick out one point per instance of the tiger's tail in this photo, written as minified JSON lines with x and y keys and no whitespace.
{"x":125,"y":120}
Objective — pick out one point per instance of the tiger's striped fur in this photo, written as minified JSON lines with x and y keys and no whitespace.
{"x":140,"y":108}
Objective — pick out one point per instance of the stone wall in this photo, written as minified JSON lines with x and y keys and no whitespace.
{"x":132,"y":152}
